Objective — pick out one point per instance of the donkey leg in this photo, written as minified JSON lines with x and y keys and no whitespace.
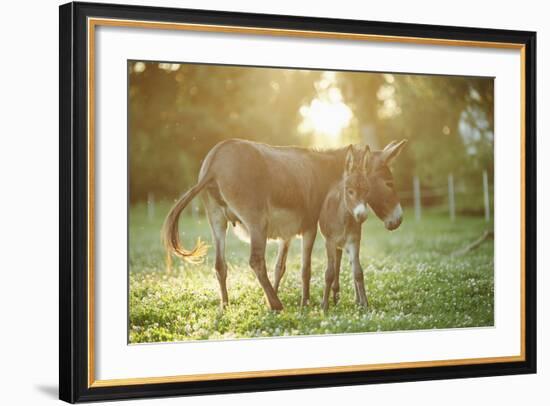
{"x":308,"y":239}
{"x":280,"y":268}
{"x":218,"y":224}
{"x":356,"y":290}
{"x":258,"y":240}
{"x":358,"y":274}
{"x":329,"y":273}
{"x":336,"y":284}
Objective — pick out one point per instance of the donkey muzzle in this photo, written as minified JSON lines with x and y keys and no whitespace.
{"x":360,"y":213}
{"x":392,"y":225}
{"x":394,"y":219}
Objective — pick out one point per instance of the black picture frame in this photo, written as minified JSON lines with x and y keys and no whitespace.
{"x":73,"y":255}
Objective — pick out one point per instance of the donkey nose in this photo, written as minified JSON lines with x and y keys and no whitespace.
{"x":360,"y":212}
{"x":361,"y":217}
{"x":394,"y":219}
{"x":393,"y":224}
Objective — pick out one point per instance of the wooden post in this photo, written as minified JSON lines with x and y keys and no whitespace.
{"x":417,"y":198}
{"x":450,"y":181}
{"x":486,"y":196}
{"x":150,"y":206}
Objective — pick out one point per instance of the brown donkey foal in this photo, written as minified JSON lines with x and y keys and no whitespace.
{"x":367,"y":180}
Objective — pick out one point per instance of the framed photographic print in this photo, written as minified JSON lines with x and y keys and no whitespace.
{"x":257,"y":202}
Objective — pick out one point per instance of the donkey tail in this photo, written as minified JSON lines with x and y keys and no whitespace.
{"x":170,"y":233}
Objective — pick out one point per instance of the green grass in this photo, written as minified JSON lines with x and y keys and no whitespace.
{"x":412,"y":283}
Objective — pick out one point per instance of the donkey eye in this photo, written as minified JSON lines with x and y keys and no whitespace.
{"x":351,"y":192}
{"x":389,"y":184}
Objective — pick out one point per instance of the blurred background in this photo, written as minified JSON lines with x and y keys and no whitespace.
{"x":178,"y":112}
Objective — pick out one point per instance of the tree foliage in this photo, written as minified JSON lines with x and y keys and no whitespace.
{"x":178,"y":112}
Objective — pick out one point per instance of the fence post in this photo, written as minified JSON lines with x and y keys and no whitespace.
{"x":450,"y":181}
{"x":417,"y":198}
{"x":150,"y":206}
{"x":486,"y":196}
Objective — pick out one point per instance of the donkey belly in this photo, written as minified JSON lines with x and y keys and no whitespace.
{"x":284,"y":223}
{"x":281,"y":224}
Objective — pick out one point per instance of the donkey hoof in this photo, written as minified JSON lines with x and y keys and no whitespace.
{"x":276,"y":306}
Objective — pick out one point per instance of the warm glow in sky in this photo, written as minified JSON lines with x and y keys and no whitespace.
{"x":327,"y":115}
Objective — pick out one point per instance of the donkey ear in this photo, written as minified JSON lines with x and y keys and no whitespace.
{"x":349,"y":159}
{"x":392,"y":150}
{"x":366,"y":157}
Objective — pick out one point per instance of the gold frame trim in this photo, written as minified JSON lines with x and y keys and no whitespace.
{"x":94,"y":22}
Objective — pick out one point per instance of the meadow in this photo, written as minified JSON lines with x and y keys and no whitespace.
{"x":412,"y":282}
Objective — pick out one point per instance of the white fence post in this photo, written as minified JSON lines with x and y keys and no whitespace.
{"x":486,"y":196}
{"x":417,"y":198}
{"x":450,"y":181}
{"x":150,"y":206}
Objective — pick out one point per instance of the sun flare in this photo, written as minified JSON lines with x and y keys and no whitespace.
{"x":326,"y":115}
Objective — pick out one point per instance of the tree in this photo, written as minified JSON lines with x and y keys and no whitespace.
{"x":178,"y":112}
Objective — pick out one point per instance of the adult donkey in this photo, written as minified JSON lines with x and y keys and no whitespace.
{"x":271,"y":192}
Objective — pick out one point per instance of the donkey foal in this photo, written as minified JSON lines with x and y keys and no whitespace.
{"x":342,"y":215}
